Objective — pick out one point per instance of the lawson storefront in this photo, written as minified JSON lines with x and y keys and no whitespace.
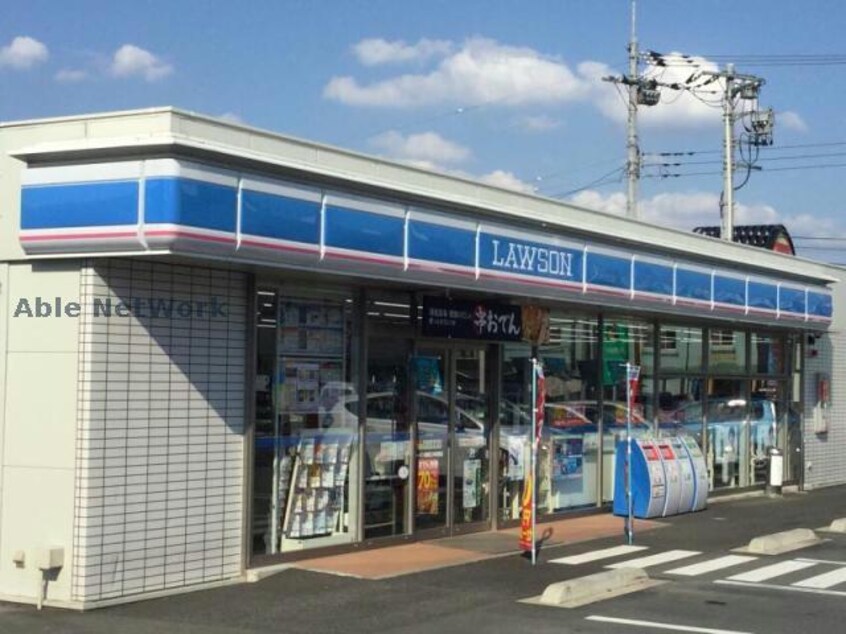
{"x":275,"y":349}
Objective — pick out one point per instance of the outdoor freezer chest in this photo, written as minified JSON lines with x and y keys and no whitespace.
{"x":668,"y":477}
{"x":648,"y":482}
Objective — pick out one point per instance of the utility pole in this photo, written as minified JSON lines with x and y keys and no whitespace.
{"x":633,"y":161}
{"x":760,"y":132}
{"x":642,"y":92}
{"x":727,"y":211}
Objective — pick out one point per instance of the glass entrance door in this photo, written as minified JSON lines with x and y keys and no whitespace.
{"x":452,"y":413}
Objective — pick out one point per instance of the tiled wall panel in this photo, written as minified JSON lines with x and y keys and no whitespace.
{"x":160,"y":433}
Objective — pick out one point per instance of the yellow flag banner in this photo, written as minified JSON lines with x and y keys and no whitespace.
{"x":526,"y":515}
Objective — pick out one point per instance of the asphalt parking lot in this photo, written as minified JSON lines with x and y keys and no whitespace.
{"x":484,"y":596}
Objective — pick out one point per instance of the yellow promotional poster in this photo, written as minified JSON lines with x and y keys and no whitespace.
{"x":427,"y":485}
{"x":526,"y":516}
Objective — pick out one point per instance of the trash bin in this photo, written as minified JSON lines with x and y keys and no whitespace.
{"x":776,"y":474}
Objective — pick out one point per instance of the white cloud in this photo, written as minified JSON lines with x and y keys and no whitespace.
{"x":614,"y":203}
{"x":481,"y":71}
{"x":231,"y":117}
{"x":426,"y":149}
{"x":23,"y":52}
{"x":538,"y":123}
{"x":678,"y":109}
{"x":506,"y":180}
{"x":681,"y":210}
{"x":430,"y":151}
{"x":130,"y":60}
{"x":791,"y":120}
{"x":71,"y":75}
{"x":376,"y":51}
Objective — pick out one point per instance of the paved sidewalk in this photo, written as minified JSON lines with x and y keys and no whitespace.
{"x":406,"y":559}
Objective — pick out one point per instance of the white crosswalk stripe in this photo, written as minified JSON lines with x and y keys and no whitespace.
{"x":772,"y":571}
{"x":596,"y":555}
{"x":712,"y":565}
{"x":823,"y":581}
{"x":756,"y":577}
{"x":655,"y":560}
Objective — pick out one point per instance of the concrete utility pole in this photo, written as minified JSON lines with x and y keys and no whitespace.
{"x":633,"y":161}
{"x":641,"y":93}
{"x":727,"y":211}
{"x":758,"y":133}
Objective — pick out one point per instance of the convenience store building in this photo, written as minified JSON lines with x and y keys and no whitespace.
{"x":222,"y":348}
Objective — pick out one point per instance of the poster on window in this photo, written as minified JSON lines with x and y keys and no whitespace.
{"x":515,"y":448}
{"x":471,"y":485}
{"x":568,"y":459}
{"x":428,"y":472}
{"x":427,"y":371}
{"x":615,"y":354}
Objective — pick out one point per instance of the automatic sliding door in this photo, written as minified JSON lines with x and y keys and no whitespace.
{"x":471,"y":457}
{"x":430,"y":372}
{"x":387,"y":439}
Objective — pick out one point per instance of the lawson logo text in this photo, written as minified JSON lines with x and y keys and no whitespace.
{"x":530,"y":258}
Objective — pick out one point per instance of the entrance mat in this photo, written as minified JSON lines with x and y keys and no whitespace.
{"x":393,"y":561}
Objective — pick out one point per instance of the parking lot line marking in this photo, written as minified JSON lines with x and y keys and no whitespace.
{"x":662,"y":626}
{"x":595,"y":555}
{"x":772,"y":586}
{"x":823,"y":581}
{"x":774,"y":570}
{"x":654,"y":560}
{"x":704,"y":567}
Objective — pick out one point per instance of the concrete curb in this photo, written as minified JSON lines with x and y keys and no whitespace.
{"x":778,"y":543}
{"x":574,"y":593}
{"x":253,"y":575}
{"x":837,"y":526}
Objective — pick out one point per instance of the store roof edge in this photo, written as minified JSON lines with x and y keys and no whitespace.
{"x":464,"y":192}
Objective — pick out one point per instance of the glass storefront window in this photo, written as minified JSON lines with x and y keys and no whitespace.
{"x":624,"y":341}
{"x":515,"y":429}
{"x":387,"y":435}
{"x":680,"y":348}
{"x":471,"y":463}
{"x":306,"y":451}
{"x":768,"y":354}
{"x":728,"y":433}
{"x":766,"y":425}
{"x":679,"y":407}
{"x":726,"y":351}
{"x":389,"y":412}
{"x":569,"y":465}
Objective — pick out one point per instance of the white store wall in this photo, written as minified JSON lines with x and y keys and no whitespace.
{"x":37,"y":420}
{"x":825,"y":453}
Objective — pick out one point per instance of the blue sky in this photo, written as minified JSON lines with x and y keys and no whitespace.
{"x":509,"y":92}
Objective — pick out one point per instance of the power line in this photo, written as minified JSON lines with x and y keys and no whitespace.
{"x":602,"y":180}
{"x":766,"y":148}
{"x":697,"y":61}
{"x":765,"y":159}
{"x":557,"y":173}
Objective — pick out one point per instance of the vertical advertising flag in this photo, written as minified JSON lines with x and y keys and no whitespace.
{"x":633,"y":377}
{"x":526,"y":512}
{"x":540,"y":401}
{"x":528,"y":507}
